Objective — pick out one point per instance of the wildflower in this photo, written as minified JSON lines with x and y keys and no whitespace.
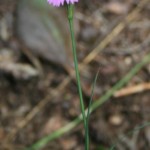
{"x":58,"y":3}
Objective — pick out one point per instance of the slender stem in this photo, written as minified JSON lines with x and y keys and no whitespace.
{"x":70,"y":19}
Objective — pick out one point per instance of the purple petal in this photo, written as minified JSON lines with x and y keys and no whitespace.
{"x":58,"y":3}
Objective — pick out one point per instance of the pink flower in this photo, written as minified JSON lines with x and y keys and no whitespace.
{"x":57,"y":3}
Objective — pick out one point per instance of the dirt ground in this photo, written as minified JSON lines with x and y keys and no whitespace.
{"x":112,"y":37}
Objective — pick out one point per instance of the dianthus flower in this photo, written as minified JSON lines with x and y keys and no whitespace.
{"x":58,"y":3}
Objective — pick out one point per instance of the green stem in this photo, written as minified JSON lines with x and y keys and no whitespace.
{"x":70,"y":19}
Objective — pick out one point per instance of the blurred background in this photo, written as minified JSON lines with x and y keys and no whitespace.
{"x":37,"y":92}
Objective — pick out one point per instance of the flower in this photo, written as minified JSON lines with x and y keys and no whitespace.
{"x":57,"y":3}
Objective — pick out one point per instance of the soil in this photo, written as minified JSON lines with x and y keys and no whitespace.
{"x":34,"y":88}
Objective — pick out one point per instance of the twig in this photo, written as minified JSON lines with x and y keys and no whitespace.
{"x":132,"y":90}
{"x":115,"y":32}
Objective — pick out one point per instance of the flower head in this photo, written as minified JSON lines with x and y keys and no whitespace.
{"x":57,"y":3}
